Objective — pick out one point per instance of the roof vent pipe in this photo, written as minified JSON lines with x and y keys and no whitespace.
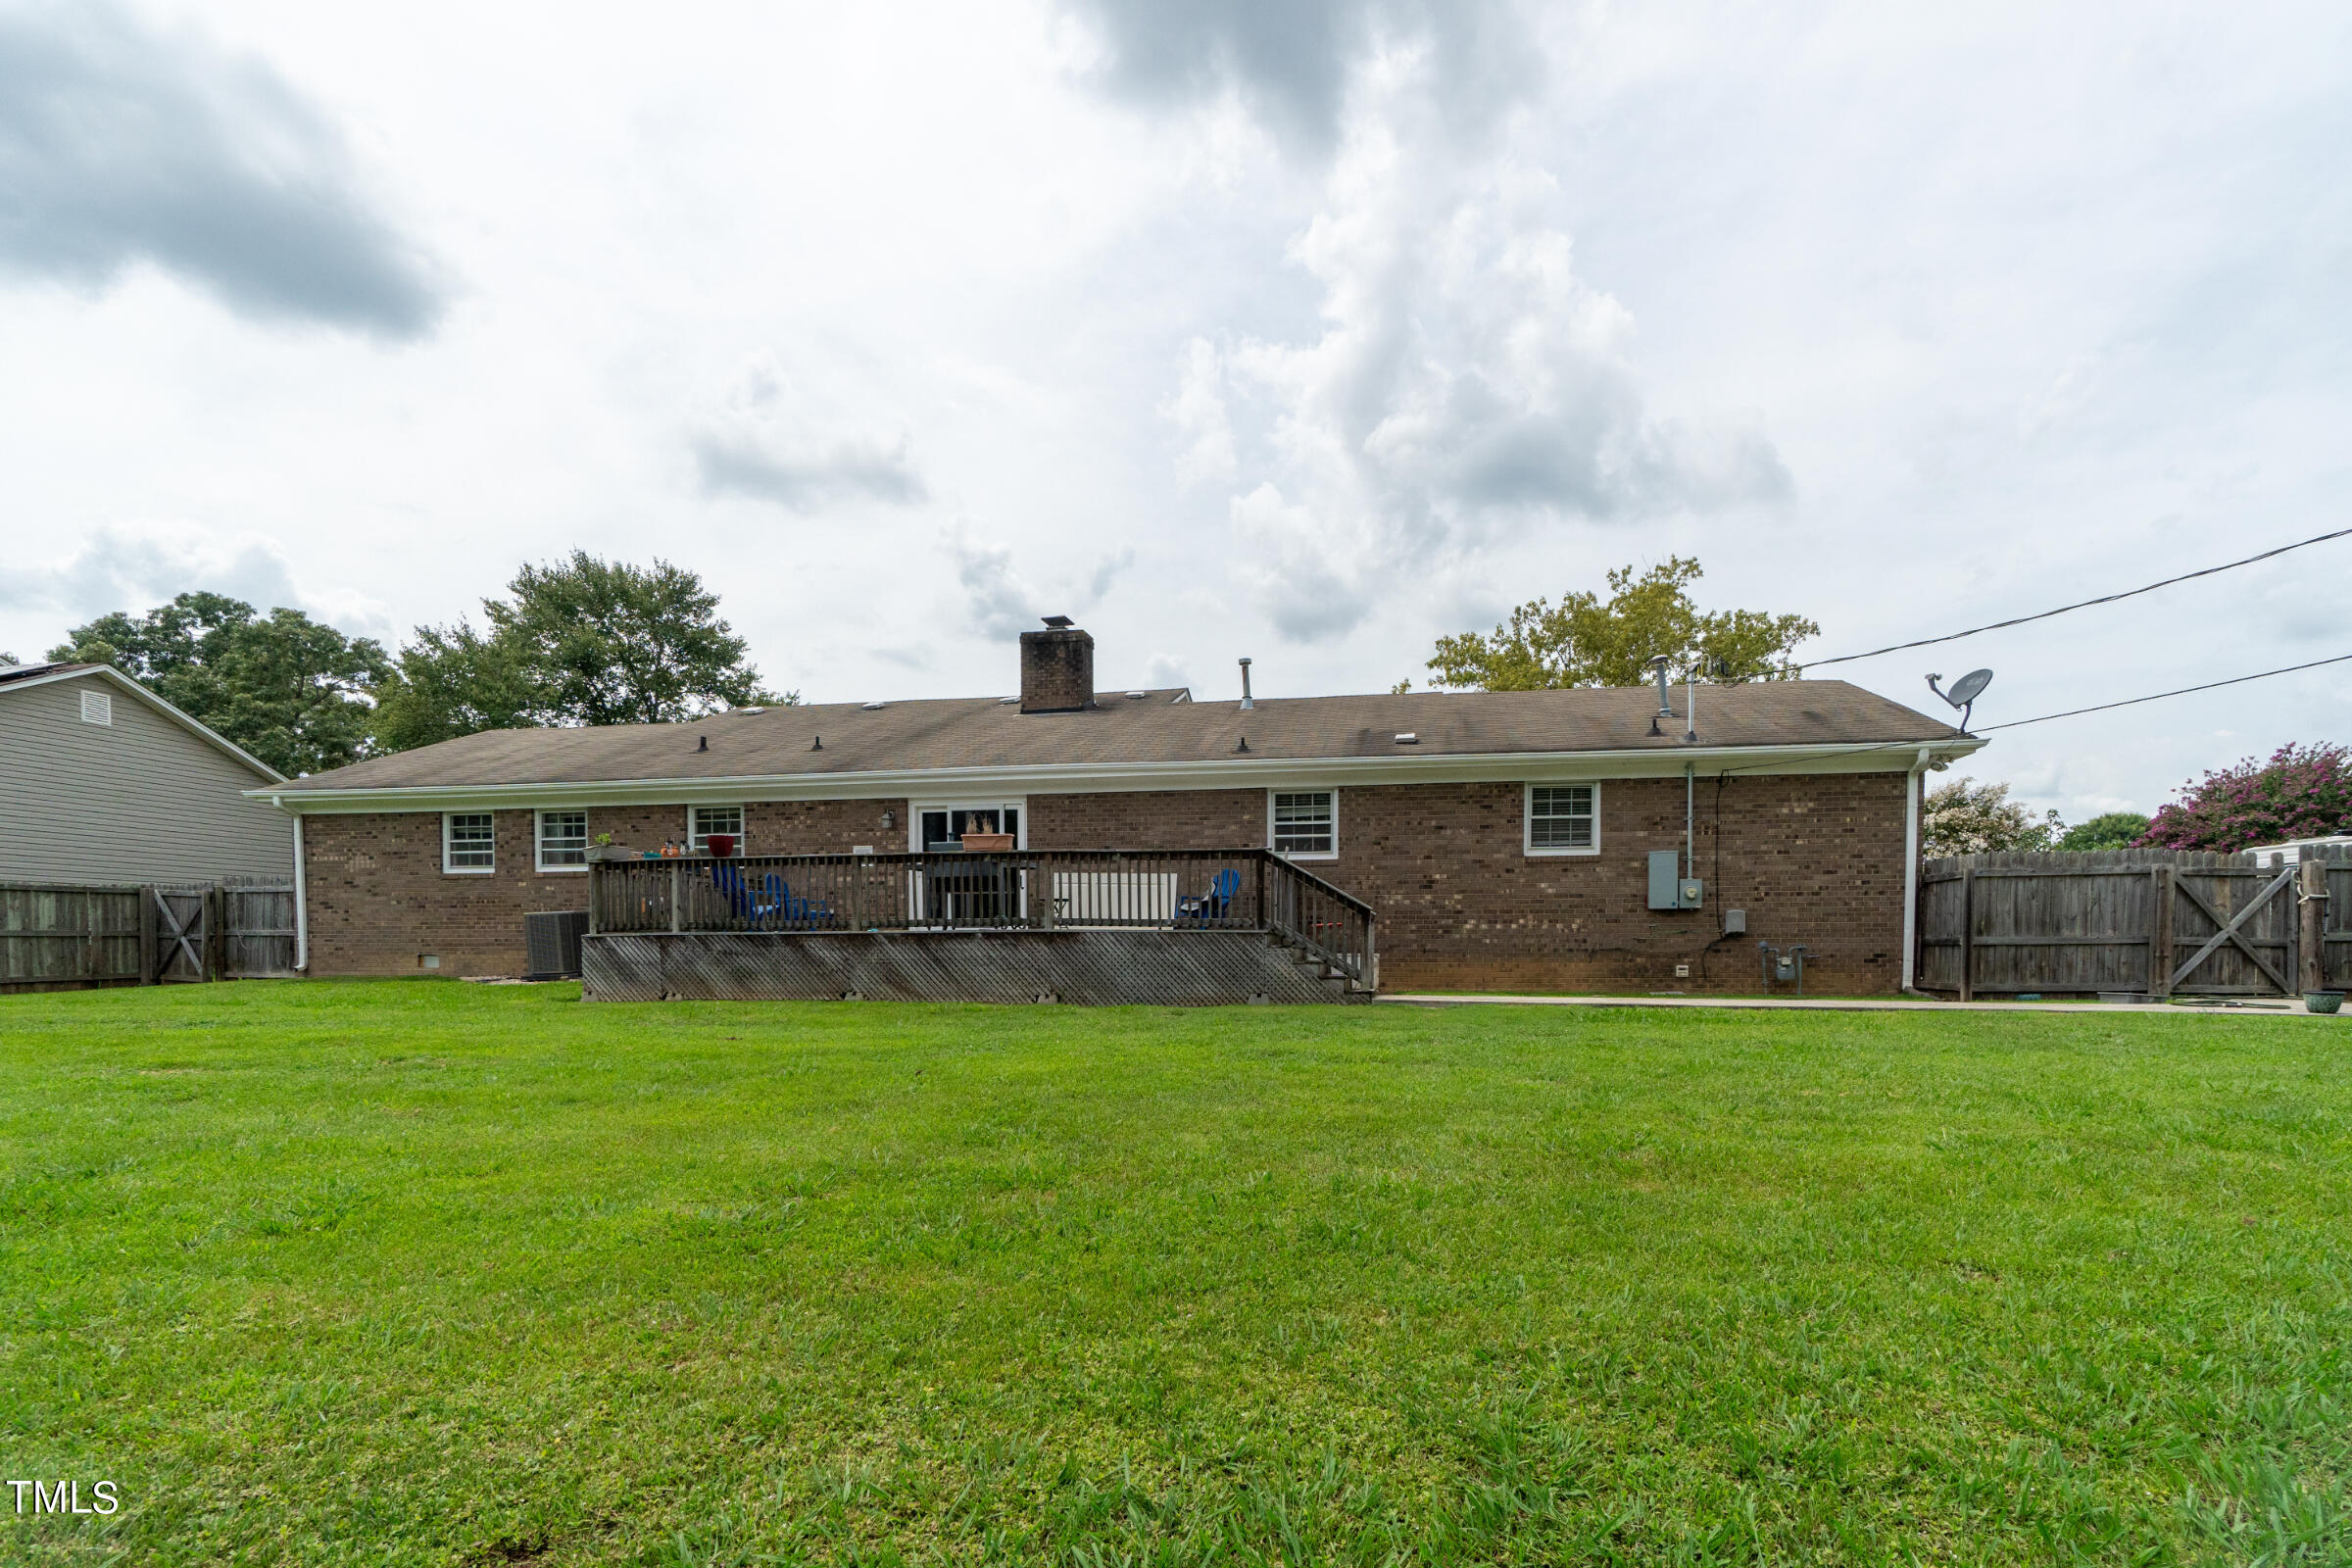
{"x":1246,"y":702}
{"x":1657,"y":667}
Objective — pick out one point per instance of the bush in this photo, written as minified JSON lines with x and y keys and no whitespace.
{"x":2303,"y":792}
{"x":1966,"y":817}
{"x":2115,"y":830}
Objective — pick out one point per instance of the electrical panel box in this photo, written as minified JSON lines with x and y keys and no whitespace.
{"x":1734,"y":922}
{"x":1669,"y":888}
{"x":1665,"y":879}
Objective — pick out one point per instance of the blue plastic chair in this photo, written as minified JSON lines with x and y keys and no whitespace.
{"x":796,"y":911}
{"x":1212,"y":904}
{"x":746,"y":903}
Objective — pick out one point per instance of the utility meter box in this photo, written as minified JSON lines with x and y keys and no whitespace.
{"x":1669,"y":888}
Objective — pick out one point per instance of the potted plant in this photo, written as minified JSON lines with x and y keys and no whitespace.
{"x":603,"y":849}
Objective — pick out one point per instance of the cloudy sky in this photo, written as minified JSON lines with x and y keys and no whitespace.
{"x":1304,"y":331}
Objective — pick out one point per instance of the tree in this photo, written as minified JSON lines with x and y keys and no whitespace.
{"x":452,"y":681}
{"x":2303,"y":792}
{"x":2113,"y":830}
{"x":292,"y":691}
{"x":1968,"y":817}
{"x":1587,"y":641}
{"x":581,"y":641}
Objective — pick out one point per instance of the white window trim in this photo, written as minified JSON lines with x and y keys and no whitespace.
{"x":741,"y":816}
{"x":1527,"y":820}
{"x":539,"y":844}
{"x":447,"y":869}
{"x":1011,"y":803}
{"x":1330,"y":854}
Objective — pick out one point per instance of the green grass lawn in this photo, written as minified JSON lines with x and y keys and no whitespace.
{"x":433,"y":1273}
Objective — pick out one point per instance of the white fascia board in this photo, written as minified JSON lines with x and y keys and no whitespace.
{"x":1098,"y":778}
{"x":198,"y":727}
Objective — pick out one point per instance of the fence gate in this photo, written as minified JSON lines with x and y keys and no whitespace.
{"x":2245,"y":933}
{"x":184,"y":931}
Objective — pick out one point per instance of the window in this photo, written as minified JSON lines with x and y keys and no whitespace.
{"x":563,"y":841}
{"x":1563,"y":819}
{"x":1305,"y":824}
{"x":704,"y":820}
{"x":97,"y":708}
{"x":942,"y":826}
{"x":468,"y":843}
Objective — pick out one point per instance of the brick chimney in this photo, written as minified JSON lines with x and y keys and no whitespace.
{"x":1058,"y":668}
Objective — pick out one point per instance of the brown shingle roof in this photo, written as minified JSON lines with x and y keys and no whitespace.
{"x":1159,"y":727}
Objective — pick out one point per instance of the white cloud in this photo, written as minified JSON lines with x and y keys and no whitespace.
{"x":770,"y":442}
{"x":996,"y":601}
{"x":1465,"y":378}
{"x":121,"y":143}
{"x":138,"y":568}
{"x":1303,"y":567}
{"x":1199,"y":411}
{"x":1291,"y":62}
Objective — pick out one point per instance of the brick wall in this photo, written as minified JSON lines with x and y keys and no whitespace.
{"x":1816,"y":859}
{"x":379,"y":900}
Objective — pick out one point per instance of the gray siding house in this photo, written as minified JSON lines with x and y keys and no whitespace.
{"x":101,"y":781}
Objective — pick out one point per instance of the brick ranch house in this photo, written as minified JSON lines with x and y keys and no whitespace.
{"x":1504,"y":838}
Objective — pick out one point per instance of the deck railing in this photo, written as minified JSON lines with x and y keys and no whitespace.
{"x":1201,"y":890}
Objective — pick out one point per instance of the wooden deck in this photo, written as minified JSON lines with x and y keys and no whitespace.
{"x":1184,"y":928}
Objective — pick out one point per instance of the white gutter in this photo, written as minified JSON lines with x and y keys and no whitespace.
{"x":1104,"y":777}
{"x":302,"y":892}
{"x":1913,"y":782}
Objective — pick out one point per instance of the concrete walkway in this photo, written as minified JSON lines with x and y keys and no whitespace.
{"x":2280,"y":1007}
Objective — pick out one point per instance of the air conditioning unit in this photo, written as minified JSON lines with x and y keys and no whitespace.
{"x":551,"y":944}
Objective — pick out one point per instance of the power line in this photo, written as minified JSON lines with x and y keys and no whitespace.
{"x":2105,"y":599}
{"x":2071,"y":713}
{"x":2234,"y":680}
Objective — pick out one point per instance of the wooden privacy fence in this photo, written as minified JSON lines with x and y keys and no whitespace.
{"x":2143,"y":922}
{"x":61,"y":937}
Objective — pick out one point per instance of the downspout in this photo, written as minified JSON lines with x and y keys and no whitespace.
{"x":1690,"y":842}
{"x":1912,"y":782}
{"x":301,"y":905}
{"x":1689,"y":776}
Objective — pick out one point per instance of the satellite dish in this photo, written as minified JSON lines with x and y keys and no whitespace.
{"x":1964,"y":693}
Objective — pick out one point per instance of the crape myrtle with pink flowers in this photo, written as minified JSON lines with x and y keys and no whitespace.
{"x":2303,"y":792}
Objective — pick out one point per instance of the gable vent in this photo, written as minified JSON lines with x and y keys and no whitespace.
{"x":97,"y":708}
